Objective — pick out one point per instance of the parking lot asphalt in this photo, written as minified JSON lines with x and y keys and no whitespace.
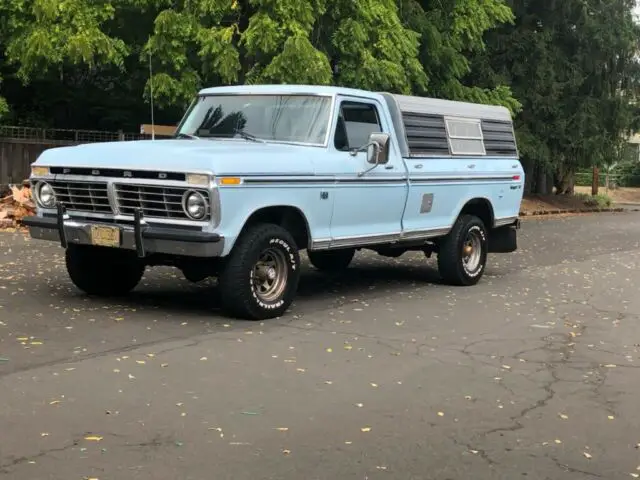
{"x":382,"y":372}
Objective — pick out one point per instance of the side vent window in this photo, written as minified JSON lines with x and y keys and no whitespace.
{"x":426,"y":134}
{"x":465,"y":137}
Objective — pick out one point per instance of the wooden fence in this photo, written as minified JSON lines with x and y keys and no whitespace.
{"x":21,"y":146}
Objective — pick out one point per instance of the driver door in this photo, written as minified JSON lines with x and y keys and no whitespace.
{"x":368,"y":207}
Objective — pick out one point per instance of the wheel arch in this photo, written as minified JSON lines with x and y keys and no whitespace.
{"x":287,"y":216}
{"x":482,"y":208}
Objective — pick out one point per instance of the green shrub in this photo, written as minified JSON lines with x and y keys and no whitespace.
{"x":595,"y":201}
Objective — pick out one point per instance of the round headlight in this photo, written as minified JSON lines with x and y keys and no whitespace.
{"x":45,"y":195}
{"x":195,"y":205}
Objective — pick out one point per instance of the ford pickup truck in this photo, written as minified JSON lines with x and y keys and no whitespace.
{"x":256,"y":174}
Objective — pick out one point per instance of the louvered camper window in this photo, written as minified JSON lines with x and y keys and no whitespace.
{"x":426,"y":134}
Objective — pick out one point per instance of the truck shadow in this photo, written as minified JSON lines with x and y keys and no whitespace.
{"x":317,"y":291}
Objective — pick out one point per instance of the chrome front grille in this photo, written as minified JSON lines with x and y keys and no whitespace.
{"x":154,"y":200}
{"x":83,"y":196}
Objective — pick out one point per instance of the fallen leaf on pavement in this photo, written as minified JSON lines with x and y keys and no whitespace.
{"x":93,"y":438}
{"x":365,"y":429}
{"x":563,"y":416}
{"x":587,"y":455}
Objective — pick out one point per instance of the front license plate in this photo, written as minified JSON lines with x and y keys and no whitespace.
{"x":105,"y":236}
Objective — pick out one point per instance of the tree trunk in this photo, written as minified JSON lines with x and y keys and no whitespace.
{"x":564,"y":180}
{"x":529,"y":167}
{"x":595,"y":181}
{"x":542,"y":186}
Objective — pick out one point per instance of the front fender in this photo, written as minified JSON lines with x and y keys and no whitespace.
{"x":238,"y":204}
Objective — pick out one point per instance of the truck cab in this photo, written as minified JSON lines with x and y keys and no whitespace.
{"x":257,"y":174}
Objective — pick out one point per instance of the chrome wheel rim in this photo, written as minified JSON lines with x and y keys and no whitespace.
{"x":472,"y":251}
{"x":269,"y":275}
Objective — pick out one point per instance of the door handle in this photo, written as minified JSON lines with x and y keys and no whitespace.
{"x":471,"y":165}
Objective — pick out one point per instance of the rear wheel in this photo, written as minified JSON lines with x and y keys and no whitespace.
{"x":103,"y":271}
{"x":332,"y":260}
{"x":462,"y":254}
{"x":260,"y":277}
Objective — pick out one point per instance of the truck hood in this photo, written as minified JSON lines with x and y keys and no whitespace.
{"x":220,"y":157}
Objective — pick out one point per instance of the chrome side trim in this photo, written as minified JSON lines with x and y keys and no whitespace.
{"x":343,"y":180}
{"x":367,"y":240}
{"x":424,"y":234}
{"x":462,"y":178}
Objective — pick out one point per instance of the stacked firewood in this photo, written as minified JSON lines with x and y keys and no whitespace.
{"x":15,"y":204}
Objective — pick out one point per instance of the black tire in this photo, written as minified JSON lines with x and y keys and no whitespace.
{"x":332,"y":260}
{"x":452,"y":266}
{"x":103,"y":271}
{"x":240,"y":295}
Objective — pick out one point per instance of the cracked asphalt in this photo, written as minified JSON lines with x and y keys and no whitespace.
{"x":380,"y":373}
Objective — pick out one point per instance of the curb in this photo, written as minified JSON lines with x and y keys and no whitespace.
{"x":538,"y":213}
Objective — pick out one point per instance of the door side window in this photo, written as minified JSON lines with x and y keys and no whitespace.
{"x":356,"y":121}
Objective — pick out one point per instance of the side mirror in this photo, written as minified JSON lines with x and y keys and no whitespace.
{"x":378,"y":149}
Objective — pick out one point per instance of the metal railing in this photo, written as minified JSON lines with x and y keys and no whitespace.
{"x":55,"y":136}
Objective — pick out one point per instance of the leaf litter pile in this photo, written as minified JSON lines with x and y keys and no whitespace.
{"x":16,"y":204}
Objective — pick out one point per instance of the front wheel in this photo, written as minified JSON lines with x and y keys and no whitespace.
{"x":462,"y":254}
{"x":260,"y":277}
{"x":103,"y":271}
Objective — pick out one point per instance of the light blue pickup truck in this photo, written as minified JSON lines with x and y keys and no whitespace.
{"x":255,"y":174}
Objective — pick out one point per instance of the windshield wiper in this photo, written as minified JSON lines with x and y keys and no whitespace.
{"x":248,"y":136}
{"x":187,"y":135}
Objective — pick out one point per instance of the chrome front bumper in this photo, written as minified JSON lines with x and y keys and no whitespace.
{"x":145,"y":239}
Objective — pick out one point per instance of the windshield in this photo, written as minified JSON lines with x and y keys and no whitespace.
{"x":278,"y":118}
